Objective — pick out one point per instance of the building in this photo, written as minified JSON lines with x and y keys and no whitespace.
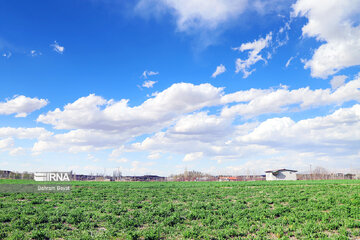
{"x":145,"y":178}
{"x":81,"y":177}
{"x":280,"y":174}
{"x":227,"y":178}
{"x":241,"y":178}
{"x":4,"y":174}
{"x":148,"y":178}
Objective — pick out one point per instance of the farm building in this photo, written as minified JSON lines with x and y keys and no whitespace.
{"x":280,"y":174}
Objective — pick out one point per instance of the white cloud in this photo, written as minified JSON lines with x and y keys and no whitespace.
{"x":94,"y":112}
{"x":120,"y":160}
{"x":92,"y":158}
{"x":21,"y":106}
{"x":219,"y":70}
{"x":201,"y":124}
{"x":336,"y":133}
{"x":35,"y":53}
{"x":57,"y":48}
{"x":24,"y":133}
{"x":97,"y":123}
{"x":146,"y":74}
{"x":206,"y":20}
{"x":189,"y":134}
{"x":254,"y":55}
{"x":288,"y":62}
{"x":338,"y":81}
{"x":336,"y":25}
{"x":17,"y":151}
{"x":193,"y":156}
{"x":281,"y":142}
{"x":154,"y":155}
{"x":8,"y":134}
{"x":117,"y":152}
{"x":195,"y":14}
{"x":173,"y":116}
{"x":81,"y":140}
{"x":7,"y":54}
{"x":140,"y":168}
{"x":282,"y":36}
{"x":179,"y":124}
{"x":195,"y":133}
{"x":6,"y":143}
{"x":148,"y":83}
{"x":257,"y":102}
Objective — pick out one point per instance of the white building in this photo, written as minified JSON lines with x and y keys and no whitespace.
{"x":280,"y":174}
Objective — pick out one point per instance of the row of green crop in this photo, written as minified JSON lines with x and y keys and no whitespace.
{"x":100,"y":210}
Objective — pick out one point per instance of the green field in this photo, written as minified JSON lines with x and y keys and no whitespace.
{"x":185,"y":210}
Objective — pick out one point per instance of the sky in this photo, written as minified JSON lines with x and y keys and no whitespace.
{"x":157,"y":87}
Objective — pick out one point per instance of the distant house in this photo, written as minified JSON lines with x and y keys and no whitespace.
{"x":280,"y":174}
{"x":227,"y":178}
{"x":149,"y":178}
{"x":145,"y":178}
{"x":350,"y":176}
{"x":5,"y":174}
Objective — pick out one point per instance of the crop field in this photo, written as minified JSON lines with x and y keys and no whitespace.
{"x":185,"y":210}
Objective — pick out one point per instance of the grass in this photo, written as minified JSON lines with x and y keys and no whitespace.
{"x":185,"y":210}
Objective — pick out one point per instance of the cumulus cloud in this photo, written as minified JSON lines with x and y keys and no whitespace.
{"x":95,"y":112}
{"x":336,"y":133}
{"x":257,"y":102}
{"x":193,"y":156}
{"x":9,"y":134}
{"x":254,"y":55}
{"x":219,"y":70}
{"x":81,"y":140}
{"x":57,"y":48}
{"x":21,"y":106}
{"x":209,"y":134}
{"x":329,"y":139}
{"x":7,"y":144}
{"x":221,"y":138}
{"x":177,"y":119}
{"x":201,"y":124}
{"x":24,"y":133}
{"x":339,"y":33}
{"x":97,"y":122}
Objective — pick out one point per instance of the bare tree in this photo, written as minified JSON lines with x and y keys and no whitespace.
{"x":320,"y":172}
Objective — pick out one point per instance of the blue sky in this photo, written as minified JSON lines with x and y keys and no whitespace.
{"x":154,"y":87}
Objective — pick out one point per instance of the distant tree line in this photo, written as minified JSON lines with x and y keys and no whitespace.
{"x":191,"y":176}
{"x":16,"y":175}
{"x":321,"y":173}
